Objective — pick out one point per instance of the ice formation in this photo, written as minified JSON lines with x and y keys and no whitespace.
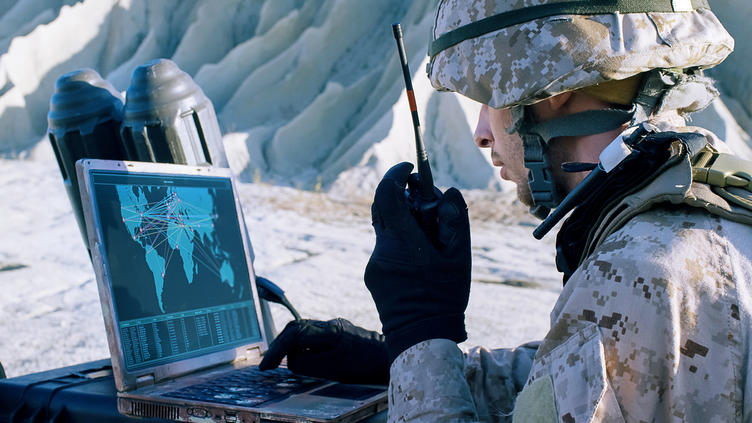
{"x":308,"y":93}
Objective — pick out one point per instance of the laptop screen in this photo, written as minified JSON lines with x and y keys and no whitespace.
{"x":176,"y":264}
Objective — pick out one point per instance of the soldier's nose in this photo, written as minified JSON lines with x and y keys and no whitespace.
{"x":483,"y":136}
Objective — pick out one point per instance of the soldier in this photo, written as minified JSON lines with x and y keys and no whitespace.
{"x":653,"y":322}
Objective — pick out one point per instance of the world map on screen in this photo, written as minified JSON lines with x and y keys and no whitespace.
{"x":180,"y":224}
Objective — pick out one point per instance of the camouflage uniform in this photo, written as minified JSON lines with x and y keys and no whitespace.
{"x":653,"y":326}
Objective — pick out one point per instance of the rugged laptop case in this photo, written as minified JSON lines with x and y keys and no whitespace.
{"x":81,"y":393}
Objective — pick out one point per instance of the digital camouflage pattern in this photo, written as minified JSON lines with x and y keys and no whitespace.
{"x":661,"y":311}
{"x":654,"y":327}
{"x":526,"y":63}
{"x":434,"y":382}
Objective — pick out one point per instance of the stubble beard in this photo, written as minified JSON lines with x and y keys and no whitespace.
{"x":524,"y":194}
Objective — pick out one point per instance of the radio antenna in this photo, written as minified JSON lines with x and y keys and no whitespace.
{"x":424,"y":168}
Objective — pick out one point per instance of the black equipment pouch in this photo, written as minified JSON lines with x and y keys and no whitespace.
{"x":727,"y":176}
{"x":651,"y":157}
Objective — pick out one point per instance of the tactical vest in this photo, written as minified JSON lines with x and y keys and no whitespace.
{"x":717,"y":182}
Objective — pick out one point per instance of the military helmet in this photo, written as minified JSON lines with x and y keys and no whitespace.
{"x":512,"y":53}
{"x":515,"y":52}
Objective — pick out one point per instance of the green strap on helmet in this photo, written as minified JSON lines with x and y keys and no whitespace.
{"x":583,"y":7}
{"x":588,"y":122}
{"x":536,"y":137}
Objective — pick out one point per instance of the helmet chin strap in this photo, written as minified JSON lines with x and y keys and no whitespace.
{"x":536,"y":137}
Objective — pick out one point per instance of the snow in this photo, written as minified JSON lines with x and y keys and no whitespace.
{"x":274,"y":71}
{"x":734,"y":73}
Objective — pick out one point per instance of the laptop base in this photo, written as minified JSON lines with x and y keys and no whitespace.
{"x":209,"y":412}
{"x":290,"y":398}
{"x":61,"y":392}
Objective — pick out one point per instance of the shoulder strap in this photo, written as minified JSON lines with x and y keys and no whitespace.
{"x":728,"y":175}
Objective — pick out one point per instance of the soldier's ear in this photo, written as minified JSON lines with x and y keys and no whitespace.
{"x":552,"y":107}
{"x":558,"y":101}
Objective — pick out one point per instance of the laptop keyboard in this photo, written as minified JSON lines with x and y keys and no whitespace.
{"x":248,"y":387}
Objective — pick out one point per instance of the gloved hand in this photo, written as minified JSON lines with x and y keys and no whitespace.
{"x":336,"y":350}
{"x":420,"y":288}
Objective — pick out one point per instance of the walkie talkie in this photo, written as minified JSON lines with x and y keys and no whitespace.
{"x":422,"y":196}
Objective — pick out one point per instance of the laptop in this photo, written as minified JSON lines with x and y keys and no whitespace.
{"x":179,"y":301}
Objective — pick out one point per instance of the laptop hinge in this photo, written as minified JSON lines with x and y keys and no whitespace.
{"x":145,"y":380}
{"x":251,"y":354}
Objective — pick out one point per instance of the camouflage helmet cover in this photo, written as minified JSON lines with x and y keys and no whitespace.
{"x":527,"y":62}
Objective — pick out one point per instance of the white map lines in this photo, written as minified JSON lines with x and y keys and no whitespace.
{"x":165,"y":220}
{"x":171,"y":225}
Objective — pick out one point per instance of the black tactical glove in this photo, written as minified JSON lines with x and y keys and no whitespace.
{"x":336,"y":350}
{"x":420,"y":288}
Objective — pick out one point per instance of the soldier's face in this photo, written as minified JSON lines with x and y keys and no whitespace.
{"x":506,"y":149}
